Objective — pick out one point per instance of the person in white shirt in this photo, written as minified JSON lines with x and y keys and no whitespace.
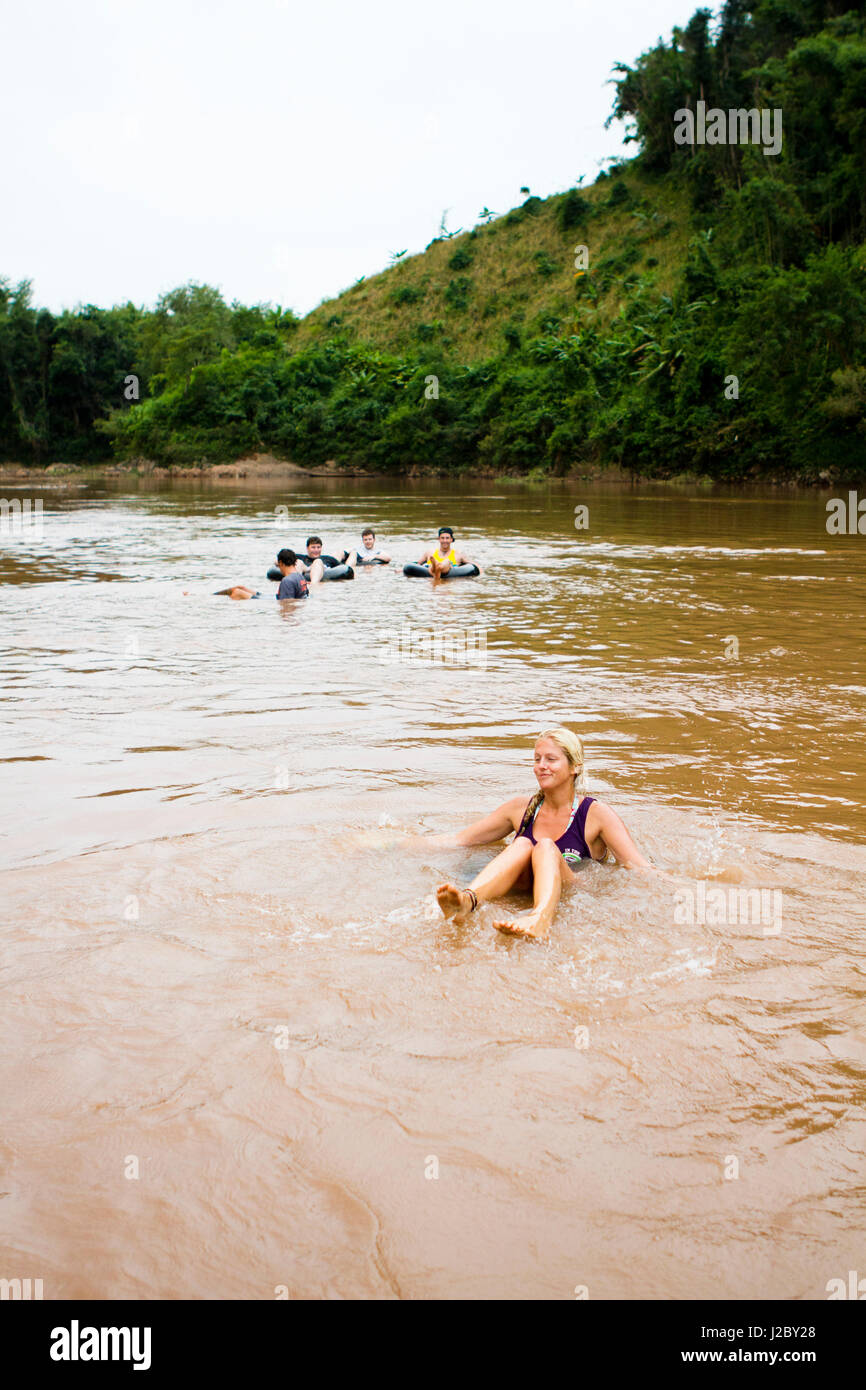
{"x":368,"y":552}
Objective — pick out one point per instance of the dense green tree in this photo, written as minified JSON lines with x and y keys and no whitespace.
{"x":25,"y":354}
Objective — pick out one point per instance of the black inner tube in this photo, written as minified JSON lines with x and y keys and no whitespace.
{"x":333,"y":572}
{"x":416,"y":571}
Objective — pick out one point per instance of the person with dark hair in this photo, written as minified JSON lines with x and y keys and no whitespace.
{"x":331,"y":568}
{"x":293,"y":583}
{"x":442,"y":558}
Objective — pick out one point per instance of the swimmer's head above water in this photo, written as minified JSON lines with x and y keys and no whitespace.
{"x":558,"y":759}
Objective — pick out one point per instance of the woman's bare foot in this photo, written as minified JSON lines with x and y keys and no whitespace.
{"x":453,"y":901}
{"x":532,"y":927}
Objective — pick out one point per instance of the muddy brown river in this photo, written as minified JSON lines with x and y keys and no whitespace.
{"x":241,"y":1053}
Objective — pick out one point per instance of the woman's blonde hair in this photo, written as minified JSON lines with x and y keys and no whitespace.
{"x":573,"y":750}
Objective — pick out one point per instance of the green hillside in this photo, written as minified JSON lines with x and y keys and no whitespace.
{"x":470,"y":294}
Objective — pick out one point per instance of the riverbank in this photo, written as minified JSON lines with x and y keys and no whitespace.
{"x":265,"y":467}
{"x":256,"y":466}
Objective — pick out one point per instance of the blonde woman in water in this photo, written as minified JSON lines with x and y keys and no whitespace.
{"x":557,"y":829}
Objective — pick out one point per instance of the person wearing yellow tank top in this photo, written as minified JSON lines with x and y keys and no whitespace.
{"x":440,"y":558}
{"x":449,"y":559}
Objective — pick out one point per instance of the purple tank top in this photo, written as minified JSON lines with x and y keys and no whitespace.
{"x":572,"y":842}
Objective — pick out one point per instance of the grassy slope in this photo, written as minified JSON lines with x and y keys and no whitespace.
{"x":503,"y":285}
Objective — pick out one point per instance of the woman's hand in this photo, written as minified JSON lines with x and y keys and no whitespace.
{"x":486,"y":831}
{"x":425,"y":841}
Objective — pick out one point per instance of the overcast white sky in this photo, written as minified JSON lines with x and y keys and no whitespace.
{"x":279,"y":149}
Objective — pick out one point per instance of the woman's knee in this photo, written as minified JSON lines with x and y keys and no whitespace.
{"x":545,"y":851}
{"x":544,"y":847}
